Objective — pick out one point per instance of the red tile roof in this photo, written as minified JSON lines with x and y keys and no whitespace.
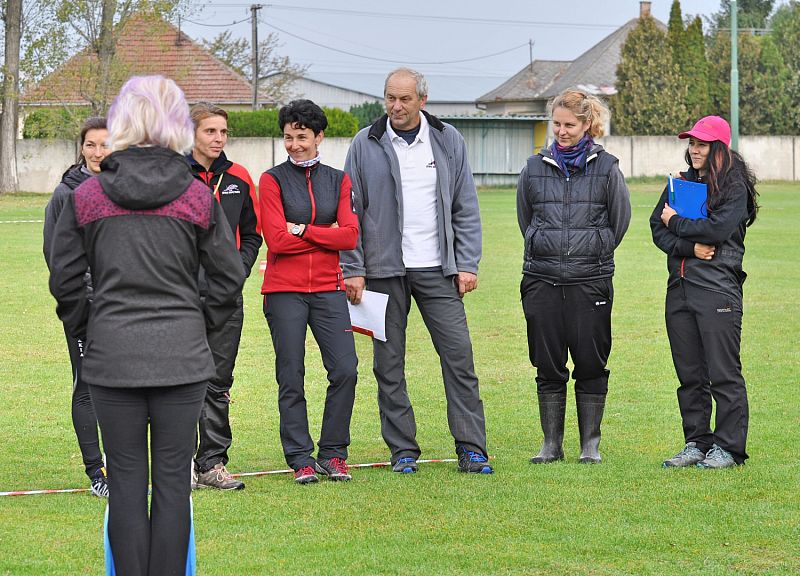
{"x":146,"y":46}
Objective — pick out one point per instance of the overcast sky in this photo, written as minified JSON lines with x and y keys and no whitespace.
{"x":434,"y":36}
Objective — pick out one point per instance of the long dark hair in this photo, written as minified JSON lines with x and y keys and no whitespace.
{"x":724,"y":167}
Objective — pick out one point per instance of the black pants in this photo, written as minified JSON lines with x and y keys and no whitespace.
{"x":445,"y":318}
{"x":288,"y":314}
{"x":154,"y":544}
{"x":574,"y":319}
{"x":214,"y":425}
{"x":84,"y":420}
{"x":705,"y":330}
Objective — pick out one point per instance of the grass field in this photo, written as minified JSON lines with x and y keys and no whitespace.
{"x":626,"y":516}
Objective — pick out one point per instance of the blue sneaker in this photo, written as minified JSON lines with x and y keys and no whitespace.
{"x":473,"y":462}
{"x":407,"y":465}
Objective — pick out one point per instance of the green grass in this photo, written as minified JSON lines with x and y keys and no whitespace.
{"x":626,"y":516}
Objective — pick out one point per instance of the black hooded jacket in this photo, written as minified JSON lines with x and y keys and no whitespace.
{"x":144,"y":226}
{"x":724,"y":228}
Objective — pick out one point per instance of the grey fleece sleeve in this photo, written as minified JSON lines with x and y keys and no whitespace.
{"x":352,"y":261}
{"x":466,"y":214}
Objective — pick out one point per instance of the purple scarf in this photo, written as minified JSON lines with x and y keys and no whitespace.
{"x":572,"y":158}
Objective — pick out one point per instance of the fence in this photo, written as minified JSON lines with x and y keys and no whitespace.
{"x":40,"y":163}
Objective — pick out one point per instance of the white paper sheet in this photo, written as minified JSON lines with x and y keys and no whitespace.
{"x":369,"y":317}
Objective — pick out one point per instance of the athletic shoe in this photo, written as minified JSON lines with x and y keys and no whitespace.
{"x":194,"y":476}
{"x":333,"y":468}
{"x":407,"y":465}
{"x":305,"y":475}
{"x":472,"y":462}
{"x":717,"y":458}
{"x":689,"y":456}
{"x":100,"y":484}
{"x":218,"y":477}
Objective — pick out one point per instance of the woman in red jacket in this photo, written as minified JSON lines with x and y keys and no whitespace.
{"x":307,"y":217}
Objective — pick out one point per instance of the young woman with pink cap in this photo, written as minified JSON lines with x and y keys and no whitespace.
{"x":704,"y":297}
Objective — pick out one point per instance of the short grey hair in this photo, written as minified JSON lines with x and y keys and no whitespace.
{"x":419,"y":79}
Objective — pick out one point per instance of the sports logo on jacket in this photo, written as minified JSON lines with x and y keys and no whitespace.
{"x":231,"y":189}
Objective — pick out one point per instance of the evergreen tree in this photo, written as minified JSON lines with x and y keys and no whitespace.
{"x":367,"y":113}
{"x":650,"y":98}
{"x":786,"y":37}
{"x":751,"y":14}
{"x":694,"y":68}
{"x":764,"y":103}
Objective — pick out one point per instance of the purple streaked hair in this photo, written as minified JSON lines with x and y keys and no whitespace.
{"x":150,"y":111}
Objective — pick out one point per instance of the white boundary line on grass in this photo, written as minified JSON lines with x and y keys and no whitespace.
{"x":21,"y":221}
{"x":239,"y":475}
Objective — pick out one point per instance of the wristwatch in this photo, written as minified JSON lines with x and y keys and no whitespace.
{"x":296,"y":229}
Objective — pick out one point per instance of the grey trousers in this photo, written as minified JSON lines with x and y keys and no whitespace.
{"x":444,"y":316}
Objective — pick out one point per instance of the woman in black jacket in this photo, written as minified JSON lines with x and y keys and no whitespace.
{"x":145,"y":225}
{"x":93,"y":137}
{"x":573,"y":209}
{"x":704,"y":297}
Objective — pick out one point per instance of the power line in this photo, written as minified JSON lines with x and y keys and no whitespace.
{"x":449,"y":19}
{"x":392,"y":60}
{"x":214,"y":25}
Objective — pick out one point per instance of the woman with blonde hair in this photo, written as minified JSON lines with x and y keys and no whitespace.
{"x":144,"y":225}
{"x":573,"y":210}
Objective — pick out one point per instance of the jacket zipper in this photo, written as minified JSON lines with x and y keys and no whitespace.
{"x":313,"y":216}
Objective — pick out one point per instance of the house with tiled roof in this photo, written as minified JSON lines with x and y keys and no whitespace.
{"x":145,"y":46}
{"x":595,"y":71}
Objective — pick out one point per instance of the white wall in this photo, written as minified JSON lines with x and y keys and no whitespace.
{"x":770,"y":157}
{"x":40,"y":163}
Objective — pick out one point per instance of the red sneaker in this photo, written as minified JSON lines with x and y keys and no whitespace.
{"x":305,"y":475}
{"x":334,"y":468}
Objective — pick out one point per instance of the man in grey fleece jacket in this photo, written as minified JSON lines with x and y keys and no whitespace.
{"x":420,"y":237}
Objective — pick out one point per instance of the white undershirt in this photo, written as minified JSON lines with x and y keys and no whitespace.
{"x":418,"y":179}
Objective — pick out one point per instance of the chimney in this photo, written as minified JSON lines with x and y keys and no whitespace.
{"x":644,"y":9}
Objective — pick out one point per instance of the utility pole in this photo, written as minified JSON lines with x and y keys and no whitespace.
{"x":254,"y":8}
{"x":734,"y":76}
{"x":530,"y":53}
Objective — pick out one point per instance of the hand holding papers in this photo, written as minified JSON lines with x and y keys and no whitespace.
{"x":687,"y":198}
{"x":369,"y":317}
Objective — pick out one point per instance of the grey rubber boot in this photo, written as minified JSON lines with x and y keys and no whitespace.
{"x":551,"y":416}
{"x":590,"y":415}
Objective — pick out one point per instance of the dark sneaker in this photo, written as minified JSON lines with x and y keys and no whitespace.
{"x":218,"y":477}
{"x":473,"y":462}
{"x":305,"y":475}
{"x":333,"y":468}
{"x":717,"y":458}
{"x":689,"y":456}
{"x":407,"y":465}
{"x":100,"y":484}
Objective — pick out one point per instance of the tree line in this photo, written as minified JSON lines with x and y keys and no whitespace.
{"x":667,"y":79}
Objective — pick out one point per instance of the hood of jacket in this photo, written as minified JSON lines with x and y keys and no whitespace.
{"x":143,"y":178}
{"x":75,"y":176}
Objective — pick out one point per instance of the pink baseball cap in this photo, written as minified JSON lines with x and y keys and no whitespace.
{"x":709,"y":129}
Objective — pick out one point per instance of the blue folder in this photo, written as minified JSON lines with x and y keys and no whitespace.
{"x":687,"y":198}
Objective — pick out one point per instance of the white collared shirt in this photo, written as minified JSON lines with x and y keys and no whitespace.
{"x":418,"y":178}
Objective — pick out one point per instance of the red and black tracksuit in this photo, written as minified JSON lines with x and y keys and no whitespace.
{"x":303,"y":286}
{"x":234,"y":189}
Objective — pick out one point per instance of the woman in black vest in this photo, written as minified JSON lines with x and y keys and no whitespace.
{"x":307,"y":218}
{"x":704,"y":297}
{"x":573,"y":209}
